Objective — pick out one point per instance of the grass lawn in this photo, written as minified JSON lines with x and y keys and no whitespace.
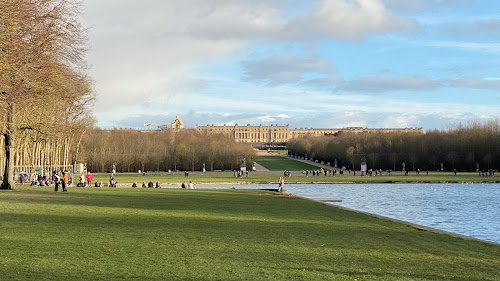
{"x":126,"y":179}
{"x":277,"y":163}
{"x":176,"y":234}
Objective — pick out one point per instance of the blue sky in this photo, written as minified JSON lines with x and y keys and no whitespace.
{"x":320,"y":64}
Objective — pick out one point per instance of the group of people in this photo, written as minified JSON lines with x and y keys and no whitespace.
{"x":377,"y":172}
{"x":63,"y":180}
{"x":85,"y":180}
{"x":190,"y":185}
{"x":149,"y":185}
{"x":239,"y":174}
{"x":318,"y":172}
{"x":487,"y":173}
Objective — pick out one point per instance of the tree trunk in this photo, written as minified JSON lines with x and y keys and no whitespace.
{"x":8,"y":176}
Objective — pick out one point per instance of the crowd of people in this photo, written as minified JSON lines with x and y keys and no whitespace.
{"x":58,"y":179}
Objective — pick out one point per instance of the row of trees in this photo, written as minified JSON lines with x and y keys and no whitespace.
{"x":132,"y":150}
{"x":462,"y":147}
{"x":45,"y":89}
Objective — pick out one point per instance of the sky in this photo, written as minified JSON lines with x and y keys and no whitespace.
{"x":303,"y":63}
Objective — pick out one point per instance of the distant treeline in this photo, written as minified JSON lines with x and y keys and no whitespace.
{"x":462,"y":147}
{"x":186,"y":150}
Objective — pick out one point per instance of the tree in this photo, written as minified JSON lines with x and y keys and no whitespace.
{"x":373,"y":158}
{"x":452,"y":158}
{"x":350,"y":153}
{"x":41,"y":66}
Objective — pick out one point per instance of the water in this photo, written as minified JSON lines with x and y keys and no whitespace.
{"x":467,"y":209}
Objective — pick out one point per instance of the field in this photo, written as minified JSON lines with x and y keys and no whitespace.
{"x":277,"y":163}
{"x":126,"y":179}
{"x":176,"y":234}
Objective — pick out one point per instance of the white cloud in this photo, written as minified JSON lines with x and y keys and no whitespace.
{"x":347,"y":20}
{"x":421,"y":5}
{"x":243,"y":20}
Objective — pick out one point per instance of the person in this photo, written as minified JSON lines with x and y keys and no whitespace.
{"x":56,"y":180}
{"x":81,"y":183}
{"x":65,"y":180}
{"x":134,"y":184}
{"x":150,"y":184}
{"x":143,"y":184}
{"x":157,"y":185}
{"x":90,"y":178}
{"x":111,"y":180}
{"x":190,"y":185}
{"x":281,"y":182}
{"x":183,"y":185}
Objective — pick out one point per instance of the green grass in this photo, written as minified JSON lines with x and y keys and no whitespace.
{"x":175,"y":234}
{"x":277,"y":163}
{"x":126,"y":179}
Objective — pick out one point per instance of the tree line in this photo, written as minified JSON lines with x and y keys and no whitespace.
{"x":127,"y":150}
{"x":463,"y":147}
{"x":45,"y":89}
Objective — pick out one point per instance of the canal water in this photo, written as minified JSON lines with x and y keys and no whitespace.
{"x":467,"y":209}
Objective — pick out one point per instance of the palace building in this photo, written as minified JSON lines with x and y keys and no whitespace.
{"x":269,"y":134}
{"x":248,"y":133}
{"x":281,"y":134}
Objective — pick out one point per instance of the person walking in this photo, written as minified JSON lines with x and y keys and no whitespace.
{"x":65,"y":180}
{"x":281,"y":182}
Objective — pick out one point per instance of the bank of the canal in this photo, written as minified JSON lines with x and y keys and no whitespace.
{"x":175,"y":234}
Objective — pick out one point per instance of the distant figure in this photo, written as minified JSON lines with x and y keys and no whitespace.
{"x":90,"y":178}
{"x":65,"y":180}
{"x":281,"y":182}
{"x":183,"y":185}
{"x":134,"y":184}
{"x":150,"y":184}
{"x":143,"y":184}
{"x":190,"y":185}
{"x":157,"y":185}
{"x":56,"y":179}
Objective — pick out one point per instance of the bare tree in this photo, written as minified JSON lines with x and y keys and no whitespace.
{"x":41,"y":66}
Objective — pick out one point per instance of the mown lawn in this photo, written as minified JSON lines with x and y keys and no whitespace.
{"x":278,"y":163}
{"x":126,"y":179}
{"x":175,"y":234}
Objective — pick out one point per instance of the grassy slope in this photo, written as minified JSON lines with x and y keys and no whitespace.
{"x":277,"y":163}
{"x":174,"y":234}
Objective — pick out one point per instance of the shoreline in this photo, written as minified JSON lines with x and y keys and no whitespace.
{"x":411,"y":224}
{"x":126,"y":184}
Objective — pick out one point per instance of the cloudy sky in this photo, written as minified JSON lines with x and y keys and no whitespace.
{"x":306,"y":63}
